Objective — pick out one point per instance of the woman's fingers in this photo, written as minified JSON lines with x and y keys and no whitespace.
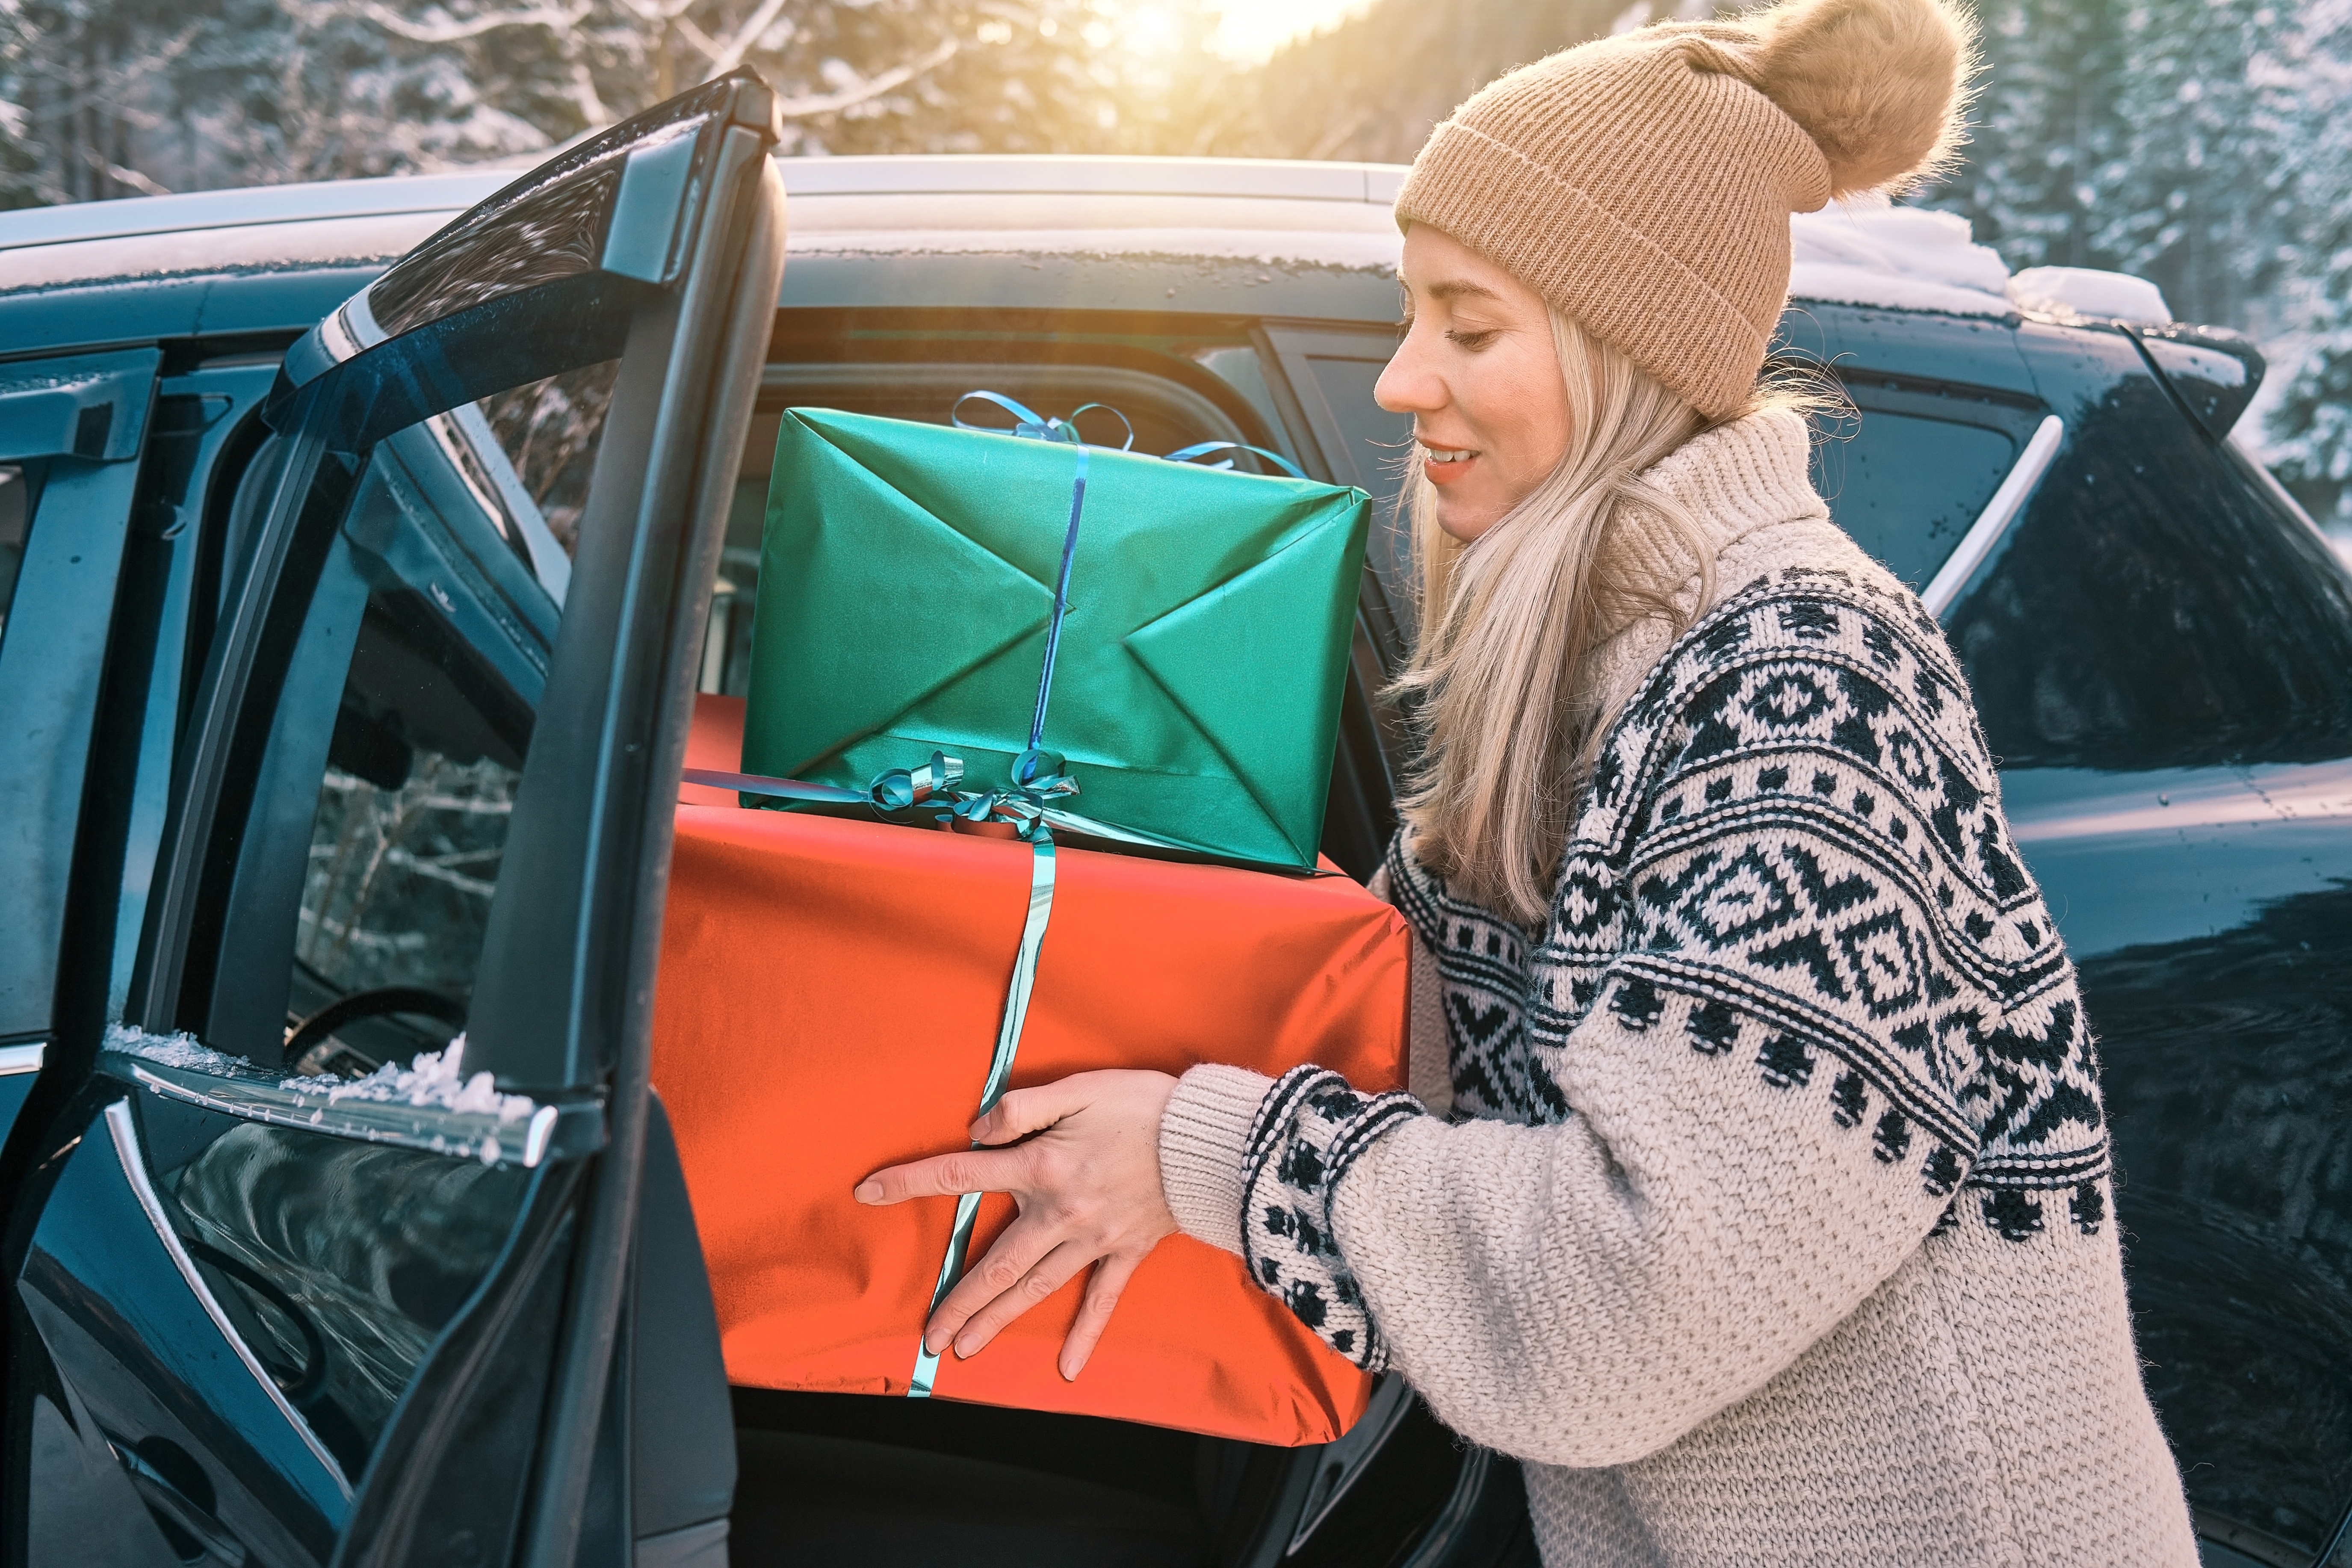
{"x":944,"y":1175}
{"x":1111,"y":1276}
{"x":1055,"y":1269}
{"x":1027,"y":1240}
{"x":1019,"y":1112}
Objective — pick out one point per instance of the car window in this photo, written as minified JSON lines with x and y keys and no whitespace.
{"x":438,"y":680}
{"x":417,"y":648}
{"x":1907,"y":486}
{"x":1333,"y":373}
{"x":546,"y":433}
{"x":2155,"y":606}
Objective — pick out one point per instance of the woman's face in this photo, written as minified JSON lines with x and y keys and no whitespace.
{"x":1479,"y":375}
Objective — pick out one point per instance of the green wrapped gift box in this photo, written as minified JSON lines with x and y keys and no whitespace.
{"x":906,"y":581}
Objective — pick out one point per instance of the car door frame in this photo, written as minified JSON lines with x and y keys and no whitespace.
{"x":594,"y":916}
{"x":85,"y":417}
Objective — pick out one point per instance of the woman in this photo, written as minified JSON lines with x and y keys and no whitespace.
{"x":1770,"y":1223}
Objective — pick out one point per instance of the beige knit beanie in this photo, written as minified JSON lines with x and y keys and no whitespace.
{"x":1642,"y":184}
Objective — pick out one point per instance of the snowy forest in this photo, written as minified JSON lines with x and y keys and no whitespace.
{"x":2203,"y":144}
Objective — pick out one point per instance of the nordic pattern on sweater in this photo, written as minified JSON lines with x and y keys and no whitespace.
{"x":1791,"y":859}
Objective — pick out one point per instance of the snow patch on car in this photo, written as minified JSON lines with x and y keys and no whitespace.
{"x":1863,"y":252}
{"x":175,"y":1050}
{"x":432,"y":1079}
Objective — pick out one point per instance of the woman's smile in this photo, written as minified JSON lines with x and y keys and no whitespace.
{"x":1444,"y":467}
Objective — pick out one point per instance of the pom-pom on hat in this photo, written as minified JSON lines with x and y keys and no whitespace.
{"x":1642,"y":184}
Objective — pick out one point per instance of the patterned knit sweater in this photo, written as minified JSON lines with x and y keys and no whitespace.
{"x":1770,"y":1223}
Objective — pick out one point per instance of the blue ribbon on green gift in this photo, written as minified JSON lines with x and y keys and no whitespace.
{"x":1038,"y":778}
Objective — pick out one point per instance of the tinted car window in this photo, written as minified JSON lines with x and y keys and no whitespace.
{"x":435,"y":714}
{"x":1908,"y":487}
{"x":365,"y":871}
{"x":1333,"y":374}
{"x":2157,"y":606}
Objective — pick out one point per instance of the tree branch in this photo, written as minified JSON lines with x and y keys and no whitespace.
{"x":129,"y":178}
{"x":834,"y":102}
{"x":727,"y":57}
{"x":669,"y":12}
{"x":474,"y":28}
{"x":704,"y":44}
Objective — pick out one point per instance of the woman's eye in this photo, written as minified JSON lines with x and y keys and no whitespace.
{"x":1473,"y":341}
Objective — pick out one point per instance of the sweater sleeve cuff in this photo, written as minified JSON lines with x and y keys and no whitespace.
{"x":1203,"y":1139}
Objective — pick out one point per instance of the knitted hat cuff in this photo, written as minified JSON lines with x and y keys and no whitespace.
{"x":1490,"y":197}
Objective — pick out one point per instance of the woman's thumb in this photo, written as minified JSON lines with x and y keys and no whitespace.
{"x":1021,"y":1111}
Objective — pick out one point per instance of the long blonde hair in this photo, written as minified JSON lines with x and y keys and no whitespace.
{"x":1503,"y":697}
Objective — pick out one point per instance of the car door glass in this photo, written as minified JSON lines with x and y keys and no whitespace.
{"x":547,"y":432}
{"x":365,"y":877}
{"x":331,"y":1235}
{"x":1333,"y":374}
{"x":394,"y":751}
{"x":1907,"y":486}
{"x":429,"y":730}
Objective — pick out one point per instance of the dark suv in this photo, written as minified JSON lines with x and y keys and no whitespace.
{"x":354,"y":619}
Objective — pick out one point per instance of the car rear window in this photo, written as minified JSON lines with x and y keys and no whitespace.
{"x":1908,"y":486}
{"x":2158,"y":605}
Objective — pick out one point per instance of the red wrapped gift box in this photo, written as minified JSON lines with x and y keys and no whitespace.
{"x":829,"y":997}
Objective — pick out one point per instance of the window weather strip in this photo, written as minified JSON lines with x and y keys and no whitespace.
{"x":125,"y":1134}
{"x":1994,"y":521}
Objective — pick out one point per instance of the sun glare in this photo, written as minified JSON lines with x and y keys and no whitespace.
{"x":1250,"y":30}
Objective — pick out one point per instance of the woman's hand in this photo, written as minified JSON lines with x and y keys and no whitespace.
{"x":1088,"y":1189}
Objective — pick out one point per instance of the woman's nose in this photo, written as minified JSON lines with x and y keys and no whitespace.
{"x":1409,"y":384}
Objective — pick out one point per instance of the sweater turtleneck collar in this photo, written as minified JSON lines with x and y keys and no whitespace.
{"x":1734,"y":480}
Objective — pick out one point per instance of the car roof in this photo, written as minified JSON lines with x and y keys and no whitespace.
{"x":1246,"y":236}
{"x":1251,"y":207}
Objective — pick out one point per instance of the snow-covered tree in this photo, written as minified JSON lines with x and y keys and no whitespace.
{"x":121,"y":97}
{"x":2154,"y":137}
{"x":2197,"y":197}
{"x":2044,"y":139}
{"x":2311,"y":426}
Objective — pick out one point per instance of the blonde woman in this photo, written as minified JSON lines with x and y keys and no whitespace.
{"x":1755,"y":1191}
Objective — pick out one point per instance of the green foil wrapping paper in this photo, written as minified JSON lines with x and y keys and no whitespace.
{"x":905,"y":583}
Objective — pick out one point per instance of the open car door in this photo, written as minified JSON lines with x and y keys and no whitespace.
{"x":359,"y":1239}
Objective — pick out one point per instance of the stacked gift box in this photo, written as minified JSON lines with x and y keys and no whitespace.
{"x":1029,"y":783}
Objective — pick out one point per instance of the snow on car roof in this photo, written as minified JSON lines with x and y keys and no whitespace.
{"x":1903,"y":259}
{"x":1288,"y":213}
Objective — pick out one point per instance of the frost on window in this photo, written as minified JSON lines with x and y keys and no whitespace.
{"x":400,"y":879}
